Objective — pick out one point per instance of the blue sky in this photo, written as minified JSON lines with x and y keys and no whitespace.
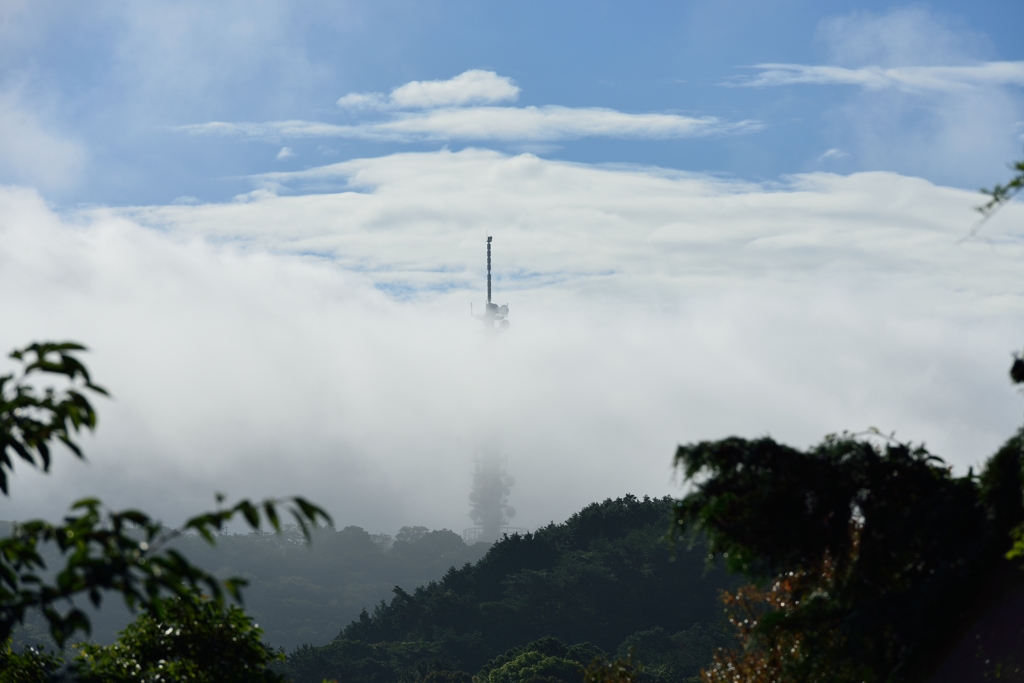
{"x":106,"y":87}
{"x":267,"y":221}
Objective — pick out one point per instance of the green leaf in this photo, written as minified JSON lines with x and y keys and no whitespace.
{"x":271,"y":511}
{"x":251,"y":514}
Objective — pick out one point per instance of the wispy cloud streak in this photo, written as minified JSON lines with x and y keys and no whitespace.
{"x":905,"y":78}
{"x":540,"y":124}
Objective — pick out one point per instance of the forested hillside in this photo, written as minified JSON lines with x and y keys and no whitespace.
{"x":606,"y":578}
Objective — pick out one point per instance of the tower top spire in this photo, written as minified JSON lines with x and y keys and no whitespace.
{"x":493,"y":315}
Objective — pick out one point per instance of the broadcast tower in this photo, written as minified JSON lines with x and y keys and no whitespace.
{"x":488,"y":499}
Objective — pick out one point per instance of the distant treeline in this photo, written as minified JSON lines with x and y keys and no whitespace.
{"x":303,"y":594}
{"x":602,"y":582}
{"x":298,"y":593}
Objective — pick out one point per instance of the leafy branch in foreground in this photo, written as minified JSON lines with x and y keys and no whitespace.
{"x":194,"y":640}
{"x":124,"y":552}
{"x":1017,"y":369}
{"x":30,"y":419}
{"x":999,"y":196}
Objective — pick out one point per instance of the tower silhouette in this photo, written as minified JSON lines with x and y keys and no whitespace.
{"x":494,"y":317}
{"x":488,"y":498}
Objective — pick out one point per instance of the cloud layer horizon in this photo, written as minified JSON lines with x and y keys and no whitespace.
{"x":314,"y":336}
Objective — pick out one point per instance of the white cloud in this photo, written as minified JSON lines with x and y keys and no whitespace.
{"x":549,"y":123}
{"x":251,"y":346}
{"x":285,"y":153}
{"x":470,"y":87}
{"x":556,"y":123}
{"x":628,"y":217}
{"x":447,"y":118}
{"x":833,"y":153}
{"x":911,"y":79}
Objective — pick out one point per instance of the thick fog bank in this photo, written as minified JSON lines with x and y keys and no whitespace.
{"x":321,"y":343}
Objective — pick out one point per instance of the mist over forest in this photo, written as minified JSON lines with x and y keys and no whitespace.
{"x":305,"y":593}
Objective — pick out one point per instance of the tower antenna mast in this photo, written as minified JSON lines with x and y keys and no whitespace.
{"x":494,"y":316}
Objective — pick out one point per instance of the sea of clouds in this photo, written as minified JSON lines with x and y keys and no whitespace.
{"x":314,"y":336}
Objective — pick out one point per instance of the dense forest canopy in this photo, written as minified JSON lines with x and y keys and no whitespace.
{"x":870,"y":561}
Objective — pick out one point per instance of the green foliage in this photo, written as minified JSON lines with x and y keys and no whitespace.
{"x":305,"y":593}
{"x":673,"y":658}
{"x":620,"y":670}
{"x":347,"y":660}
{"x":30,"y":419}
{"x":1003,"y":481}
{"x":1017,"y":369}
{"x":299,"y":592}
{"x":123,"y":552}
{"x":533,"y":667}
{"x":447,"y":677}
{"x":599,"y":577}
{"x":194,"y":639}
{"x":104,"y":551}
{"x":31,"y":665}
{"x":872,"y":552}
{"x":1001,"y":194}
{"x":546,"y":660}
